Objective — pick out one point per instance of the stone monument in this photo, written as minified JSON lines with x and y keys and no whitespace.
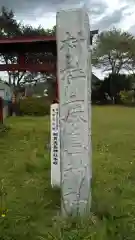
{"x":74,"y":76}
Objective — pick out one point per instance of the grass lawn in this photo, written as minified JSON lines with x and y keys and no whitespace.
{"x":33,"y":207}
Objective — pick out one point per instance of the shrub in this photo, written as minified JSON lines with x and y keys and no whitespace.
{"x":127,"y":97}
{"x":34,"y":106}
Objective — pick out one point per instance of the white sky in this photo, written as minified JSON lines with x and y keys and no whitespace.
{"x":49,"y":20}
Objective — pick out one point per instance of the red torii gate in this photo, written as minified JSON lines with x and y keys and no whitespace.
{"x":22,"y":46}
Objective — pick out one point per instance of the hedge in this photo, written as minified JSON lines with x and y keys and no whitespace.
{"x":34,"y":106}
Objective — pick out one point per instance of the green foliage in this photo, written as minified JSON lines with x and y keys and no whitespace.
{"x":127,"y":97}
{"x":28,"y":30}
{"x":113,"y":51}
{"x":8,"y":24}
{"x":34,"y":106}
{"x":115,"y":83}
{"x":112,"y":85}
{"x":34,"y":207}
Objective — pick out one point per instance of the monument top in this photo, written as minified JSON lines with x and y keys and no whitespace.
{"x":73,"y":9}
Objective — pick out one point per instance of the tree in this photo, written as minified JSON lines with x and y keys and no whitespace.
{"x":28,"y":30}
{"x":130,"y":67}
{"x":8,"y":25}
{"x":113,"y":51}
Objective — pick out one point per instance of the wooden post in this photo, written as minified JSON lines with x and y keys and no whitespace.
{"x":55,"y":140}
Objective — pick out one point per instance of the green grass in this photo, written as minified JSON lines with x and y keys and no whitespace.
{"x":33,"y":207}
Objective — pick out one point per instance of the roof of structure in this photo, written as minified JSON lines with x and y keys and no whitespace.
{"x":28,"y":44}
{"x":30,"y":39}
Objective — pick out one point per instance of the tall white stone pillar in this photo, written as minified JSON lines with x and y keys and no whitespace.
{"x":74,"y":76}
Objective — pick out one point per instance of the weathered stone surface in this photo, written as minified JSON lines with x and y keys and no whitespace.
{"x":74,"y":75}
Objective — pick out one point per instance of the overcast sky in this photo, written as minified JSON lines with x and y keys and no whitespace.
{"x":104,"y":14}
